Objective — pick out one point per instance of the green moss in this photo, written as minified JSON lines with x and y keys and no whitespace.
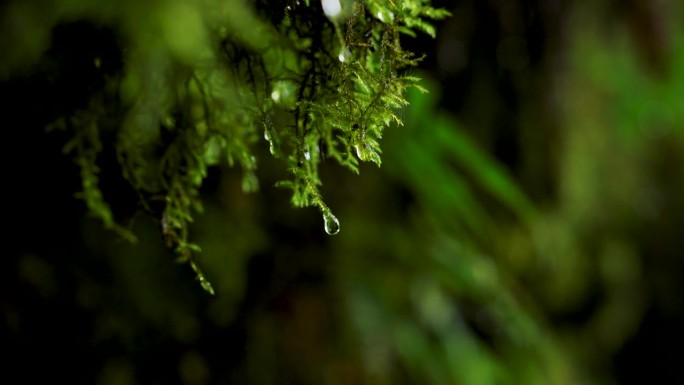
{"x":205,"y":86}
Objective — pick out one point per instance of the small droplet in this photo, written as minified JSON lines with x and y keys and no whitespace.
{"x":385,"y":15}
{"x":307,"y":155}
{"x":331,"y":8}
{"x":366,"y":154}
{"x":271,"y":146}
{"x":332,"y":225}
{"x":344,"y":55}
{"x":283,"y":92}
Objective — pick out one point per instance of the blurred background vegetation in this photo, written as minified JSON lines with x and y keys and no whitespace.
{"x":525,"y":227}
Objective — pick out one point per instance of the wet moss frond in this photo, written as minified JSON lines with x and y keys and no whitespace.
{"x":316,"y":87}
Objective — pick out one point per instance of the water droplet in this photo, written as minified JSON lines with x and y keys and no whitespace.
{"x":386,"y":16}
{"x":332,"y":225}
{"x":331,"y":8}
{"x":271,"y":146}
{"x":307,"y":155}
{"x":367,"y":154}
{"x":344,"y":54}
{"x":283,"y":92}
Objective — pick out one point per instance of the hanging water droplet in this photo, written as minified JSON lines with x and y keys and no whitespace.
{"x":266,"y":135}
{"x":332,"y":225}
{"x":307,"y":155}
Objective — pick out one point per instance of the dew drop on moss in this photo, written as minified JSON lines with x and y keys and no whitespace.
{"x":332,"y":225}
{"x":344,"y":55}
{"x":271,"y":146}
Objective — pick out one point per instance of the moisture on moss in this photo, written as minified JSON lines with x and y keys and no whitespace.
{"x":318,"y":81}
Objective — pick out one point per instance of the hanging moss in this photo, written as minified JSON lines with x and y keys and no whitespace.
{"x":318,"y":81}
